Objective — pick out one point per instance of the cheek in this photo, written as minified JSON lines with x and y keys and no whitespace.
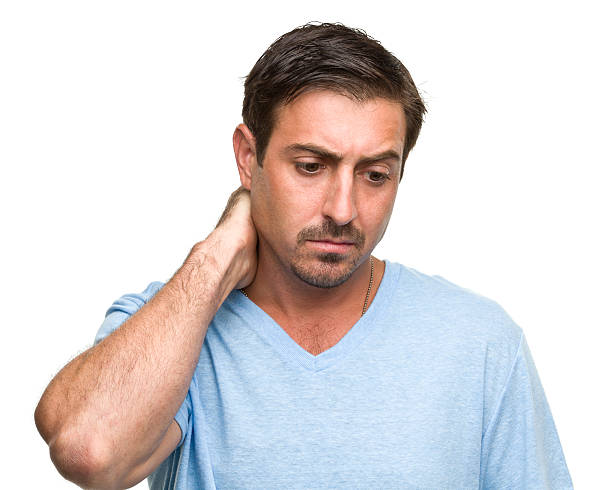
{"x":277,"y":210}
{"x":262,"y":210}
{"x":377,"y":215}
{"x":295,"y":206}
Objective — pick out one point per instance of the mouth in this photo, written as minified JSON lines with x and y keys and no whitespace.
{"x":331,"y":246}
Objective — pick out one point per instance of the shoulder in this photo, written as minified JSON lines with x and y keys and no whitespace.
{"x":456,"y":310}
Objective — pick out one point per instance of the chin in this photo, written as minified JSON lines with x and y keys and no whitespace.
{"x":327,"y":271}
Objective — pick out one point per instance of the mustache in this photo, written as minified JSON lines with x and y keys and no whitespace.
{"x":329,"y":229}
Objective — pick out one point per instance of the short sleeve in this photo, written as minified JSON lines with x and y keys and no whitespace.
{"x":123,"y":308}
{"x":520,"y":446}
{"x":117,"y":314}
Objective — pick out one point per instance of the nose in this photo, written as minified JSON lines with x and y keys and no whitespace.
{"x":340,"y":199}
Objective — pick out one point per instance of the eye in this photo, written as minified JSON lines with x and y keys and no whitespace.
{"x":309,"y":168}
{"x":377,"y":177}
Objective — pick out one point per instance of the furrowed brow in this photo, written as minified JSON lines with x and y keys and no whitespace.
{"x":315,"y":150}
{"x":336,"y":157}
{"x":385,"y":155}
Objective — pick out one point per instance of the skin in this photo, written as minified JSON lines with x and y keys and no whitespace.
{"x":108,"y":415}
{"x":330,"y":173}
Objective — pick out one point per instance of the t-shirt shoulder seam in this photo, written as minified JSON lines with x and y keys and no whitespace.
{"x":503,"y":392}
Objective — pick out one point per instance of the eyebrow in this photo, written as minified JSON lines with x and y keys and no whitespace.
{"x":336,"y":157}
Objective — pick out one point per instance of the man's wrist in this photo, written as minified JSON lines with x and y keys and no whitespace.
{"x":212,"y":266}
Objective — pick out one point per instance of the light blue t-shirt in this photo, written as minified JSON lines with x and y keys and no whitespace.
{"x":433,"y":388}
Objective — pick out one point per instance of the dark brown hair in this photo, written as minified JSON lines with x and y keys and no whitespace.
{"x":327,"y":57}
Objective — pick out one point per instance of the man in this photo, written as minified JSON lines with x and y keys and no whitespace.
{"x":282,"y":354}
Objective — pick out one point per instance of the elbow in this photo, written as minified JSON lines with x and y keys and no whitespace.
{"x":43,"y":424}
{"x":79,"y":456}
{"x":83,"y":461}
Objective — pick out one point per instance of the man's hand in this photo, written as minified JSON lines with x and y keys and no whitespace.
{"x":237,"y":222}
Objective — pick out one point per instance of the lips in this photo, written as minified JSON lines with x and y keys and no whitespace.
{"x":334,"y":241}
{"x":330,"y":233}
{"x":331,"y":246}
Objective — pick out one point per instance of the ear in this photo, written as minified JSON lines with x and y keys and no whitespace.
{"x":245,"y":152}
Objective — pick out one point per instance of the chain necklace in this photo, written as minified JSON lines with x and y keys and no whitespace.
{"x":365,"y":303}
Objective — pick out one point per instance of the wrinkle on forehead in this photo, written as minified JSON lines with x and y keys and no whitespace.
{"x":342,"y":125}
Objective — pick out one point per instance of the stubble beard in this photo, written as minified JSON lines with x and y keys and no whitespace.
{"x":327,"y":270}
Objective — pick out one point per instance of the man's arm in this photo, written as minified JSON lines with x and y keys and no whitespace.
{"x":108,"y":414}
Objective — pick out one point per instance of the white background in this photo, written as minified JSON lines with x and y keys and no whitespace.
{"x":115,"y":148}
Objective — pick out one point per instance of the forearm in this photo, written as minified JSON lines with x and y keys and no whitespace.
{"x":118,"y":398}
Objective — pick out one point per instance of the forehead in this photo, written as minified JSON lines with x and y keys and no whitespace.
{"x":341,"y":124}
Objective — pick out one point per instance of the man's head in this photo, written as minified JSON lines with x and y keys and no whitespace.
{"x":330,"y":117}
{"x":327,"y":57}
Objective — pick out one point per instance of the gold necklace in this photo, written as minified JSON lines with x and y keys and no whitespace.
{"x":365,"y":303}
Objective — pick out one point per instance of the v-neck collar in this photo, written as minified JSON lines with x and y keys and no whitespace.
{"x":292,"y":352}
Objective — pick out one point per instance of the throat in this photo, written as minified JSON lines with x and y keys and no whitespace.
{"x":317,"y":338}
{"x":318,"y":324}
